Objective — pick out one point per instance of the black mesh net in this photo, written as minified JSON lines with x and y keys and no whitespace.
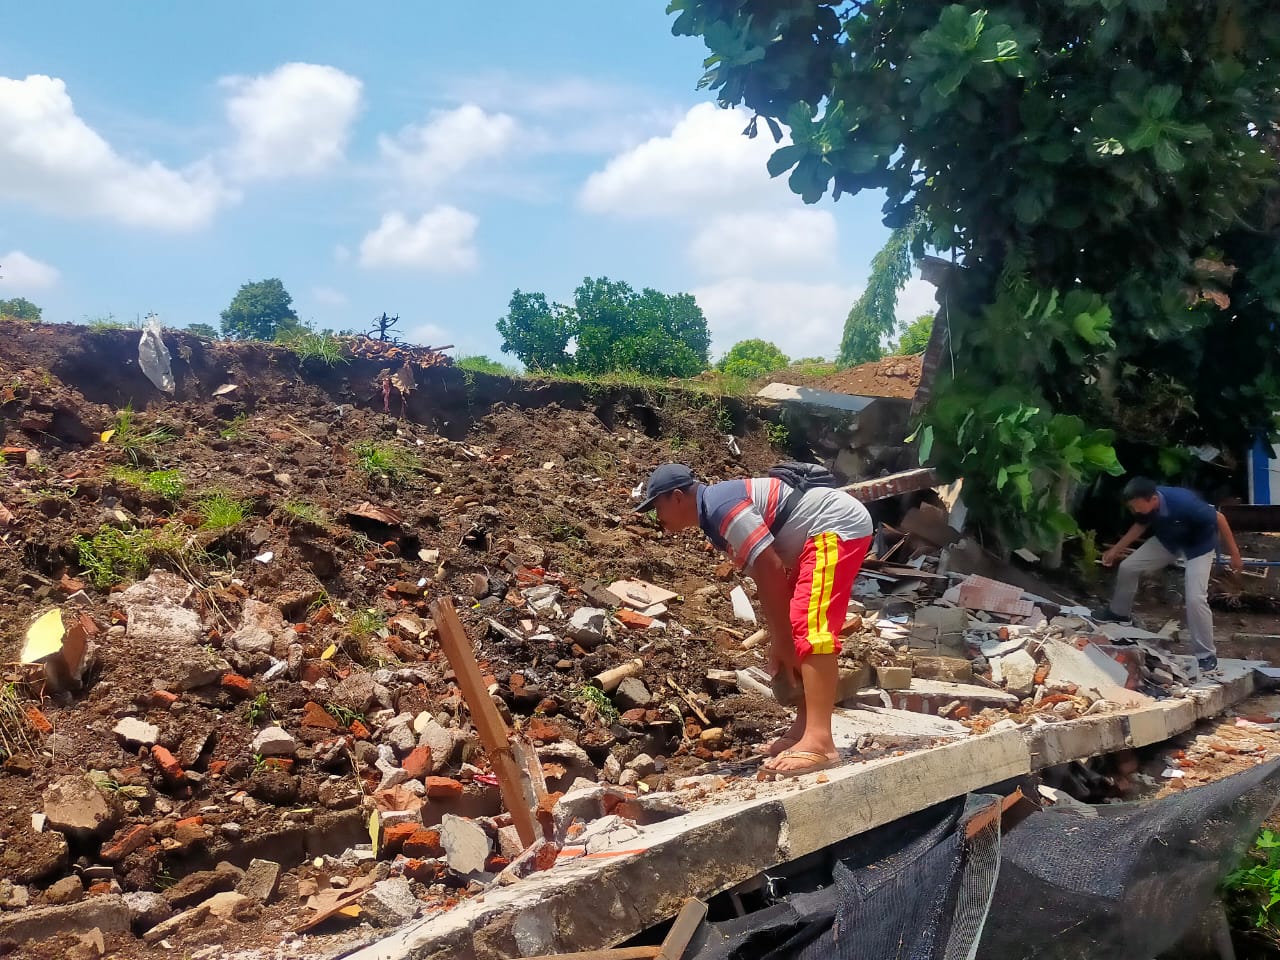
{"x":1127,"y":883}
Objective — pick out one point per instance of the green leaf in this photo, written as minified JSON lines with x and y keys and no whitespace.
{"x":926,"y":443}
{"x":1002,"y":477}
{"x":1168,"y":157}
{"x":783,"y":159}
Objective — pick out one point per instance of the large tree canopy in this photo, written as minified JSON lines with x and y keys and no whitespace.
{"x":611,"y":328}
{"x":751,"y":359}
{"x":261,"y":310}
{"x":20,"y":308}
{"x":1099,"y":170}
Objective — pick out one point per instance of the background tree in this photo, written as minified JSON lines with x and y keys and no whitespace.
{"x":202,"y":330}
{"x":751,"y":359}
{"x":1096,"y":168}
{"x":537,"y":332}
{"x":913,"y":337}
{"x":261,"y":310}
{"x":20,"y":308}
{"x":872,"y":318}
{"x":612,"y":327}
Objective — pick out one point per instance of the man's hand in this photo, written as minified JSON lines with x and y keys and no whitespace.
{"x":782,"y":656}
{"x":1237,"y":562}
{"x":1112,"y":556}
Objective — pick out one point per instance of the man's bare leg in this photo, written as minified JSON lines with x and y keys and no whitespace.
{"x":819,"y":673}
{"x":794,"y":733}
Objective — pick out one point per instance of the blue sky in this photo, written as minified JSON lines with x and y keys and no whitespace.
{"x":413,"y":158}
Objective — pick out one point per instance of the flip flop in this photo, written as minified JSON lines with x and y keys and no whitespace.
{"x":820,"y":762}
{"x":762,"y":749}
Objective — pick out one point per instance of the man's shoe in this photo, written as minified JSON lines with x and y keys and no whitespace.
{"x":1208,"y":664}
{"x":1107,"y":615}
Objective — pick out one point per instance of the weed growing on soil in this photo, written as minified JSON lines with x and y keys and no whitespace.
{"x":1087,"y":561}
{"x":112,"y":554}
{"x":594,"y":696}
{"x":1252,"y":891}
{"x":163,"y":483}
{"x":13,"y":722}
{"x":218,"y":511}
{"x":299,"y":511}
{"x":366,"y":623}
{"x":310,"y":345}
{"x":343,"y":715}
{"x":258,"y":710}
{"x":130,"y":437}
{"x":778,"y":433}
{"x":383,"y":460}
{"x":234,"y":428}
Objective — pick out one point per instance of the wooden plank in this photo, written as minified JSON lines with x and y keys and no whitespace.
{"x":493,"y":732}
{"x":682,"y":931}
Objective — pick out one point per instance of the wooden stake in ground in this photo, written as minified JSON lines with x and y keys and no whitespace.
{"x":493,"y":732}
{"x":682,"y":931}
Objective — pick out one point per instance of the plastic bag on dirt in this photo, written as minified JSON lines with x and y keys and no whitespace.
{"x":153,"y":356}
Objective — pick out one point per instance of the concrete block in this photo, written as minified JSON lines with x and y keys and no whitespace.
{"x":894,"y":678}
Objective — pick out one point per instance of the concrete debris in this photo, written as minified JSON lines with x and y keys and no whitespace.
{"x":260,"y":881}
{"x":74,"y":806}
{"x":146,"y":909}
{"x":390,"y":902}
{"x":274,"y":742}
{"x":1019,"y":671}
{"x":605,"y":833}
{"x":262,"y":630}
{"x":587,"y":626}
{"x":742,"y":608}
{"x":466,"y":844}
{"x":136,"y":733}
{"x":632,"y":694}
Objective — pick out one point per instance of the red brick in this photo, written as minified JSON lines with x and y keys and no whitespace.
{"x":314,"y":715}
{"x":360,"y":731}
{"x":394,"y":836}
{"x":279,"y":763}
{"x":418,"y":763}
{"x":424,"y":844}
{"x":237,"y":685}
{"x":126,"y":842}
{"x":162,"y":699}
{"x":313,"y":671}
{"x":496,"y":863}
{"x":544,"y":730}
{"x":189,"y":831}
{"x":38,"y":720}
{"x":100,"y":888}
{"x":217,"y":767}
{"x":545,"y":858}
{"x":168,"y":765}
{"x":443,"y":788}
{"x":632,"y":620}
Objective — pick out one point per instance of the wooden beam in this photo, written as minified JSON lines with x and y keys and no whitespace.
{"x":618,"y":953}
{"x":493,"y":732}
{"x":682,"y":931}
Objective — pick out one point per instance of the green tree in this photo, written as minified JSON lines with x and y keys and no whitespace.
{"x":261,"y":310}
{"x":19,"y":308}
{"x":202,"y":330}
{"x":872,"y":318}
{"x":612,"y":327}
{"x":1099,"y":169}
{"x":751,"y":359}
{"x":913,"y":337}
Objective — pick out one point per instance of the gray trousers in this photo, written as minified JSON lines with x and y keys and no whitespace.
{"x":1153,"y":556}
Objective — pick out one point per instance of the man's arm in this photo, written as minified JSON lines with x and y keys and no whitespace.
{"x":1228,"y":540}
{"x":773,"y":587}
{"x":1133,"y":534}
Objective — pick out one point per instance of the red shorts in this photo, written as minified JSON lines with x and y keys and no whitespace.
{"x":825,"y":573}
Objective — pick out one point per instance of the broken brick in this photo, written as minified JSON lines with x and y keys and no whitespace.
{"x":217,"y":767}
{"x":424,"y":871}
{"x":496,"y":863}
{"x":442,"y":788}
{"x":418,"y":763}
{"x":168,"y":765}
{"x":237,"y":685}
{"x":126,"y":842}
{"x":632,"y":620}
{"x":314,"y":715}
{"x":99,"y":889}
{"x":424,"y":844}
{"x":360,"y":731}
{"x":543,"y":730}
{"x":545,"y":858}
{"x":38,"y":720}
{"x":162,"y":699}
{"x":279,"y":763}
{"x":394,"y":836}
{"x":190,"y":830}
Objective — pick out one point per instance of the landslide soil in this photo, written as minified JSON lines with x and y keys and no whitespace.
{"x":497,"y":475}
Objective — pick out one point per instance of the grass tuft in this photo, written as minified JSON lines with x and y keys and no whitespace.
{"x":14,"y":725}
{"x":163,"y":483}
{"x":219,"y":511}
{"x":299,"y":511}
{"x":393,"y":463}
{"x":312,"y":345}
{"x":112,"y":555}
{"x":597,"y":698}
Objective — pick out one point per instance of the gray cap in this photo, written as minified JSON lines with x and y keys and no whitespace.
{"x":668,"y":477}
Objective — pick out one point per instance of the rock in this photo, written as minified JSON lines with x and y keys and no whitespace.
{"x":1019,"y":672}
{"x":357,"y":693}
{"x":75,"y":806}
{"x":105,"y":912}
{"x":199,"y":886}
{"x":466,"y":845}
{"x":643,"y":765}
{"x":392,"y":775}
{"x":262,"y":629}
{"x":274,"y":786}
{"x":401,"y":737}
{"x":442,"y":741}
{"x":13,"y":896}
{"x":390,"y":902}
{"x":30,"y":857}
{"x":260,"y":881}
{"x":224,"y":906}
{"x":274,"y":742}
{"x":587,"y":626}
{"x":137,"y":733}
{"x":893,"y":678}
{"x":146,"y":909}
{"x":632,"y":694}
{"x":66,"y":890}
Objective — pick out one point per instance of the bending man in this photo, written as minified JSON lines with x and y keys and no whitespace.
{"x":804,"y":550}
{"x":1181,"y":525}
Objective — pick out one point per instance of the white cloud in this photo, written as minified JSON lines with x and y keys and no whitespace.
{"x":21,"y":272}
{"x":803,"y":319}
{"x":448,"y":143}
{"x":51,"y":158}
{"x":329,"y":297}
{"x":294,"y":120}
{"x":916,"y":297}
{"x":442,"y":239}
{"x":705,"y":165}
{"x":737,"y":244}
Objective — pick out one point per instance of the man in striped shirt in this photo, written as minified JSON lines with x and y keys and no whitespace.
{"x":804,"y":550}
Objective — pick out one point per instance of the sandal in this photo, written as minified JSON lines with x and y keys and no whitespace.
{"x":819,"y":761}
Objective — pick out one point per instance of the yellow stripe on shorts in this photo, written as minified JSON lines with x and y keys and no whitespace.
{"x":821,"y":639}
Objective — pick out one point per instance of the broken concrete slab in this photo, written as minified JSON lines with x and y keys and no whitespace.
{"x":105,"y":912}
{"x":1019,"y":672}
{"x":274,"y":742}
{"x":808,"y":396}
{"x":587,"y":625}
{"x":261,"y":880}
{"x":133,"y":732}
{"x":76,"y":807}
{"x":390,"y":902}
{"x":1091,"y":671}
{"x":466,"y":844}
